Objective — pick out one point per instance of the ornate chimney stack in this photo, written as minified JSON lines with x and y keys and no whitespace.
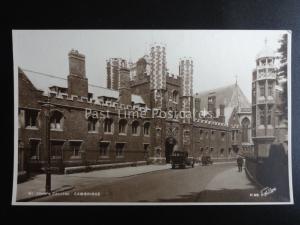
{"x":77,"y":81}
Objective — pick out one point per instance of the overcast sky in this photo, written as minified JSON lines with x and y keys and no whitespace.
{"x":219,"y":56}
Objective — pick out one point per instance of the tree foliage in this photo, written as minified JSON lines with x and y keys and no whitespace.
{"x":282,"y":72}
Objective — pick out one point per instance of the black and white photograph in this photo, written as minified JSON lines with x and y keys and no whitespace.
{"x":152,"y":117}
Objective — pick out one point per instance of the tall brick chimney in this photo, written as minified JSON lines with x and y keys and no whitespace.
{"x":222,"y":115}
{"x":124,"y":86}
{"x":77,"y":81}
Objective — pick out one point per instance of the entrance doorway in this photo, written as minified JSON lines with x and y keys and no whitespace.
{"x":169,"y":147}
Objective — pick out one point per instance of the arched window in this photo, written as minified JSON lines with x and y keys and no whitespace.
{"x":92,"y":124}
{"x":135,"y":127}
{"x":108,"y":122}
{"x":175,"y":96}
{"x":56,"y":120}
{"x":245,"y":128}
{"x":122,"y":126}
{"x":147,"y":128}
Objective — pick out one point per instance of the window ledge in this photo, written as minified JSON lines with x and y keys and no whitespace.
{"x":75,"y":157}
{"x":104,"y":157}
{"x":111,"y":133}
{"x":122,"y":134}
{"x":31,"y":128}
{"x":59,"y":130}
{"x":93,"y":132}
{"x":120,"y":156}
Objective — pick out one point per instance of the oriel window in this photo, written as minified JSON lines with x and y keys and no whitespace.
{"x":262,"y":89}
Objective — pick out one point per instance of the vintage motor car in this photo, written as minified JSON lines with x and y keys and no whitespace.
{"x":181,"y":159}
{"x":206,"y":160}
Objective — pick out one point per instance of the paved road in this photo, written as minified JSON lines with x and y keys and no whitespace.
{"x":216,"y":183}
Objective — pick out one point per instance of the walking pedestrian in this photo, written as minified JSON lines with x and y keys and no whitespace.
{"x":240,"y":163}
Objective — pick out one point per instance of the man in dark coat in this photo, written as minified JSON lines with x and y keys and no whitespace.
{"x":240,"y":163}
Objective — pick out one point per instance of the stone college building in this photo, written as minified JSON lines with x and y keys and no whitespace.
{"x":137,"y":118}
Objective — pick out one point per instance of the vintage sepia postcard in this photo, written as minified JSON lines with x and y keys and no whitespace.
{"x":152,"y":117}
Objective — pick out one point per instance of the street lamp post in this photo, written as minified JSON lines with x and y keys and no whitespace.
{"x":47,"y":111}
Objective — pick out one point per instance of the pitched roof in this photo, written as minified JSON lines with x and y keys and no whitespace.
{"x":231,"y":96}
{"x":43,"y":81}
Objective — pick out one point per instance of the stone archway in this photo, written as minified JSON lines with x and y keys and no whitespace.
{"x":169,"y":147}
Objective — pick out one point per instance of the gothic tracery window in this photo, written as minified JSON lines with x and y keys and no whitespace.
{"x":245,"y":128}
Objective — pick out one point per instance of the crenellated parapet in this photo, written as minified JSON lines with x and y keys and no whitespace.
{"x":173,"y":79}
{"x":210,"y":124}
